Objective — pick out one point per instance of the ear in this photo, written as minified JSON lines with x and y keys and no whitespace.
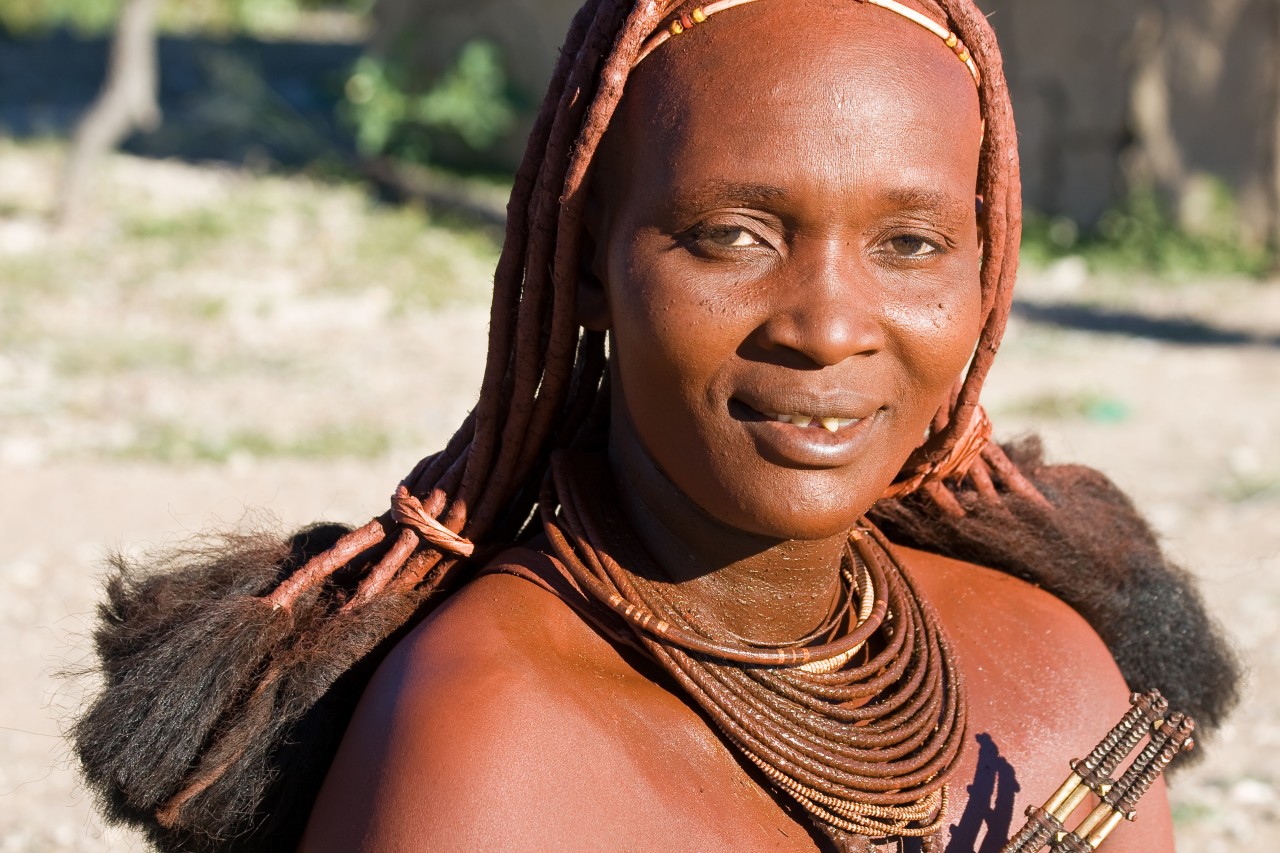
{"x":593,"y":311}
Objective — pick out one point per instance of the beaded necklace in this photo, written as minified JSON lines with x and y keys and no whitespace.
{"x":862,"y":731}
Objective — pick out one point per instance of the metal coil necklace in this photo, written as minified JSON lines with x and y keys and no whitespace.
{"x":861,"y":729}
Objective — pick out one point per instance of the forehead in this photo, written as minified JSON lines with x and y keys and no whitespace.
{"x":803,"y":90}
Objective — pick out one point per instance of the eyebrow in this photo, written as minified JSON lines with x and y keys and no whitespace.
{"x":912,"y":199}
{"x":918,"y":199}
{"x":717,"y":190}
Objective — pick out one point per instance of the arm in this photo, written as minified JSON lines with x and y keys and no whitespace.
{"x":443,"y":742}
{"x":483,"y":730}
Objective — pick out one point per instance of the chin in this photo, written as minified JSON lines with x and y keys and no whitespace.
{"x":796,"y":514}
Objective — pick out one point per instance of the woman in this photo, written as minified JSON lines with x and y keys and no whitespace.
{"x":796,"y":222}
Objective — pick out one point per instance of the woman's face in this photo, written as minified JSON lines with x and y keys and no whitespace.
{"x":789,"y":257}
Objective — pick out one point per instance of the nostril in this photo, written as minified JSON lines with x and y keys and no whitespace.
{"x":815,"y":338}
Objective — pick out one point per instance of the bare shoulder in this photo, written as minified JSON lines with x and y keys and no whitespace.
{"x":485,"y":727}
{"x":994,"y":616}
{"x":1042,"y":687}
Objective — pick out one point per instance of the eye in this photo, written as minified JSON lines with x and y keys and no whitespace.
{"x":730,"y":237}
{"x":912,"y":246}
{"x":729,"y":241}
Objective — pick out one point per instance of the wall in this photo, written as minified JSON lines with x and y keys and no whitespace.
{"x":1178,"y":96}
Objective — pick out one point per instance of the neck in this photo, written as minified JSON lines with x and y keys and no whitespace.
{"x":760,"y":588}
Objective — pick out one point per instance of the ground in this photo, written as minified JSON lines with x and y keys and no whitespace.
{"x":215,"y":342}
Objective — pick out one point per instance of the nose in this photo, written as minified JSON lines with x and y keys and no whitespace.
{"x":822,"y":310}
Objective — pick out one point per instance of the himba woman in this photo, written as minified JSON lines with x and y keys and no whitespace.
{"x":723,"y":558}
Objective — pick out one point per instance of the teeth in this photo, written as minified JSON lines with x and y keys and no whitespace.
{"x":827,"y":423}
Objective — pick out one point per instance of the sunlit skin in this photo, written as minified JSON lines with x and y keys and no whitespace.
{"x":783,"y":221}
{"x":824,"y":262}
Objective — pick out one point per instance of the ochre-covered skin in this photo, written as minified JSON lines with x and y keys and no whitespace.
{"x":505,"y":723}
{"x":783,"y":222}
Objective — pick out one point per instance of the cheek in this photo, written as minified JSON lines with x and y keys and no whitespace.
{"x":671,"y":330}
{"x":936,"y":336}
{"x":657,"y":370}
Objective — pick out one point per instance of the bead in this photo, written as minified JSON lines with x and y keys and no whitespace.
{"x":699,"y":14}
{"x":730,"y":693}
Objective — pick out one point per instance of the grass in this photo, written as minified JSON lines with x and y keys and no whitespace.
{"x":1081,"y":405}
{"x":113,"y":355}
{"x":200,"y":227}
{"x":416,"y":258}
{"x":1139,"y":236}
{"x":179,"y":443}
{"x":1247,"y":488}
{"x":1186,"y":814}
{"x":207,"y":315}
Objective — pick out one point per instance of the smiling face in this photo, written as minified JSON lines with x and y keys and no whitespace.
{"x":789,"y":253}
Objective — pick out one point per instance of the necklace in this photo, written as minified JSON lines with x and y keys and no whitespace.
{"x":863,"y":743}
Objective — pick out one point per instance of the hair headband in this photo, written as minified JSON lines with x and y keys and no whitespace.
{"x":688,"y":20}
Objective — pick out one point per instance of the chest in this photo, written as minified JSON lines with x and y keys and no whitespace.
{"x":689,"y":784}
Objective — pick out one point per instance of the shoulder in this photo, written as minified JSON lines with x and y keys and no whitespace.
{"x":993,"y":615}
{"x":487,"y":718}
{"x":1042,"y":688}
{"x":1030,"y":663}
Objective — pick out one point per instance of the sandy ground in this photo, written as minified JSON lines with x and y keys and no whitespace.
{"x":1188,"y":429}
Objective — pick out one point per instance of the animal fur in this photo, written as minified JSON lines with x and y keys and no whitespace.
{"x":1094,"y":551}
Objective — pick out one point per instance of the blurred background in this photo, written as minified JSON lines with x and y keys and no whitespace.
{"x":245,"y":248}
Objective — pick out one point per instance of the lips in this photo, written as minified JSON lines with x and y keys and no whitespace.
{"x":813,"y":434}
{"x":794,"y":408}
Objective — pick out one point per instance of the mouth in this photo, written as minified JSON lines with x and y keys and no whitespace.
{"x":830,"y":420}
{"x":827,"y":422}
{"x":808,"y":438}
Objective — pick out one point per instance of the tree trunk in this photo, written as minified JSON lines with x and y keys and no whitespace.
{"x":128,"y":101}
{"x":1274,"y":230}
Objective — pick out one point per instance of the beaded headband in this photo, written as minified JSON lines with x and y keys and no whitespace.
{"x":688,"y":20}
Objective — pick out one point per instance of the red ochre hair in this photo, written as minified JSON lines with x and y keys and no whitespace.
{"x":231,"y":667}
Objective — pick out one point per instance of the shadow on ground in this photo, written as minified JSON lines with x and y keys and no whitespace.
{"x":240,"y":101}
{"x":1184,"y":331}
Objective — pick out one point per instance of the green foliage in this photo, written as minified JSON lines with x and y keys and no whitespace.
{"x":23,"y":17}
{"x":1189,"y":814}
{"x":265,"y":16}
{"x":96,"y":17}
{"x":470,"y":100}
{"x":1086,"y":405}
{"x":1248,"y":488}
{"x":1139,"y":235}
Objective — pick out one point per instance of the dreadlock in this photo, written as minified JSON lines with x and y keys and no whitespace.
{"x":231,"y":668}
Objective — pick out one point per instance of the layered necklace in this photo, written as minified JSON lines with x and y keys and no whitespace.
{"x":860,"y":723}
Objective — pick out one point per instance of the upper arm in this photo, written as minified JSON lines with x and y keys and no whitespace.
{"x":463,"y":742}
{"x":403,"y":743}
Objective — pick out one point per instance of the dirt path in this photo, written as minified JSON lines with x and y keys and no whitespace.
{"x":1188,"y":429}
